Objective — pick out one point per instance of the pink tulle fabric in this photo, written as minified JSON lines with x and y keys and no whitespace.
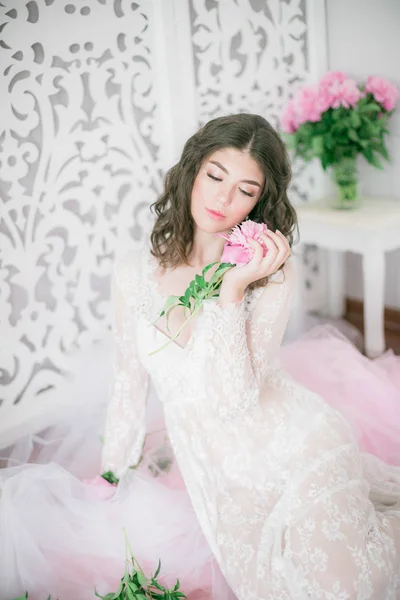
{"x":61,"y":527}
{"x":366,"y":392}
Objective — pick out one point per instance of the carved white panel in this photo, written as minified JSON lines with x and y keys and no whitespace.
{"x":251,"y":56}
{"x":79,"y":165}
{"x":97,"y":98}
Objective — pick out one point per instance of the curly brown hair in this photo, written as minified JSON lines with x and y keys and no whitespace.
{"x":172,"y":234}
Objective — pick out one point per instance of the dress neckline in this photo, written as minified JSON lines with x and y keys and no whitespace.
{"x":159,"y":297}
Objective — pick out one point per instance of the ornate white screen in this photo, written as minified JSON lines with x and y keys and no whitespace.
{"x":94,"y":97}
{"x":79,"y":166}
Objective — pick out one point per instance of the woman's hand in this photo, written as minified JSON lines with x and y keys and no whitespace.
{"x":237,"y":279}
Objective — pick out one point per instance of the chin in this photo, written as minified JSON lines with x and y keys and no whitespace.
{"x":209,"y":226}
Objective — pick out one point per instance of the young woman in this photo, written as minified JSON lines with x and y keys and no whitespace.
{"x":286,"y":502}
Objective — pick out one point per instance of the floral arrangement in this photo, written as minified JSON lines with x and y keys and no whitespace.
{"x":337,"y":119}
{"x":237,"y":252}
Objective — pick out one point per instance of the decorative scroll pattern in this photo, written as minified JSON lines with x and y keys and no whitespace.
{"x":79,"y":165}
{"x":250,"y":56}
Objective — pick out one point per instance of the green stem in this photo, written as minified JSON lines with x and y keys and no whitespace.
{"x":177,"y":333}
{"x":210,"y":294}
{"x":133,"y":559}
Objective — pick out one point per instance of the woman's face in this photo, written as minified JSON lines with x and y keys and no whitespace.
{"x":226,"y":189}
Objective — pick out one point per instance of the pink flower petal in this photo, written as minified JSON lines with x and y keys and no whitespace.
{"x":236,"y":255}
{"x":237,"y":250}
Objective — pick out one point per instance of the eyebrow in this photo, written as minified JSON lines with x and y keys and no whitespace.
{"x":218,"y":164}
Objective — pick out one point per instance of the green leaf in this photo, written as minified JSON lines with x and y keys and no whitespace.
{"x":317,"y":144}
{"x":353,"y":135}
{"x":355,"y":119}
{"x":171,"y":302}
{"x":167,"y":315}
{"x":177,"y":585}
{"x":130,"y":594}
{"x":222,"y":269}
{"x":371,"y":158}
{"x":24,"y":597}
{"x":142,"y":579}
{"x":200,"y":281}
{"x":370,"y":107}
{"x":110,"y":477}
{"x":325,"y":161}
{"x":156,"y":574}
{"x":208,"y":267}
{"x":157,"y":585}
{"x":383,"y":151}
{"x":106,"y":597}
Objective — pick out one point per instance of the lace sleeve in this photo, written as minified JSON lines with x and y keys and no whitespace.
{"x":240,"y":350}
{"x":125,"y":422}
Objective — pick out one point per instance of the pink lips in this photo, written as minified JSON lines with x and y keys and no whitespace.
{"x":215,"y":215}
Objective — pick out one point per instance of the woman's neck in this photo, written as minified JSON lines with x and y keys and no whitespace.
{"x":207,"y":248}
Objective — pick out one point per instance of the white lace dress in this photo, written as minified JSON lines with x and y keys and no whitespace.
{"x":289,"y":505}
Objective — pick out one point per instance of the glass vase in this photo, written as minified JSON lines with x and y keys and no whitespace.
{"x":345,"y":177}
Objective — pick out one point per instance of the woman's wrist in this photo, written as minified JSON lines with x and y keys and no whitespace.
{"x":230,"y":294}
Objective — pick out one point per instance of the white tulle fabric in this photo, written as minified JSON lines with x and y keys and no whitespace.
{"x":289,"y":505}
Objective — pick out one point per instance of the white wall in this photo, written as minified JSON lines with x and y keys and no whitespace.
{"x":364,"y":39}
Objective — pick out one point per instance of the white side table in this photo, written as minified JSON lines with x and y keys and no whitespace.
{"x":371,"y":230}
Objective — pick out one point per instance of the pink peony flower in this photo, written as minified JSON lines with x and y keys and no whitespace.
{"x":237,"y":249}
{"x":333,"y":78}
{"x":102,"y":488}
{"x":384,"y":92}
{"x":337,"y":89}
{"x":307,"y":106}
{"x":345,"y":94}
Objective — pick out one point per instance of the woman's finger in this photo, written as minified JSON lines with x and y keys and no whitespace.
{"x":270,"y":241}
{"x":285,"y":240}
{"x":272,"y":251}
{"x":284,"y":245}
{"x":258,"y":250}
{"x":275,"y":247}
{"x":280,"y":256}
{"x":281,"y":240}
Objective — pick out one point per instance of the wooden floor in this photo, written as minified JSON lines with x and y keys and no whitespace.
{"x":354,"y":314}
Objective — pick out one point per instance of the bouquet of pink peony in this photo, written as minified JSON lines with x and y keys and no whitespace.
{"x":336,"y":120}
{"x":237,"y":252}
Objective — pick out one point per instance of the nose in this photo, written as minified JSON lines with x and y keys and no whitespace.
{"x":225,"y":195}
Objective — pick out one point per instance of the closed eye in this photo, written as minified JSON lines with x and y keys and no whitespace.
{"x":247,"y":193}
{"x":218,"y":179}
{"x":214,"y":178}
